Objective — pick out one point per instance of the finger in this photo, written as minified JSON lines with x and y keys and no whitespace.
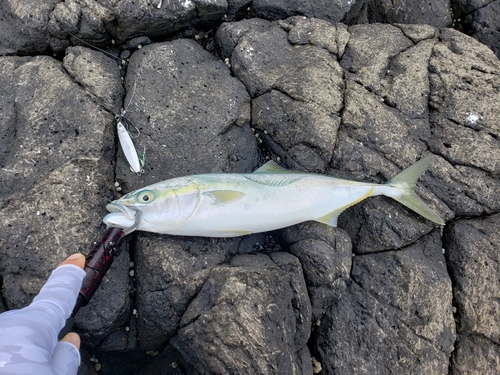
{"x":76,"y":259}
{"x":72,"y":338}
{"x":66,"y":357}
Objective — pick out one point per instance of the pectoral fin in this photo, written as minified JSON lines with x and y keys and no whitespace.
{"x":330,"y":218}
{"x":224,"y":196}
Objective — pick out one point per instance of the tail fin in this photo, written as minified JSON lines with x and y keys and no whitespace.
{"x":405,"y":183}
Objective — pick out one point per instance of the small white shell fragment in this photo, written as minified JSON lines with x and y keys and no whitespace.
{"x":97,"y":366}
{"x":128,"y":148}
{"x":117,"y":184}
{"x":131,"y":273}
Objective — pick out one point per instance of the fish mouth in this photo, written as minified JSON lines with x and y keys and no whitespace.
{"x":121,"y":214}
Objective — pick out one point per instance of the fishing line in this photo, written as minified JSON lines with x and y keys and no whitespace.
{"x":125,"y":135}
{"x":89,"y":44}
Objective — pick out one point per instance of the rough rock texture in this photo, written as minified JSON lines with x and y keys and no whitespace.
{"x":333,"y":11}
{"x":481,"y":19}
{"x":435,"y":13}
{"x":56,"y":163}
{"x":395,"y":314}
{"x":473,"y":259}
{"x":359,"y":102}
{"x":255,"y":308}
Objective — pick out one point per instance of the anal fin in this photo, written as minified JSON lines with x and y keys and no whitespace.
{"x":330,"y":218}
{"x":232,"y":232}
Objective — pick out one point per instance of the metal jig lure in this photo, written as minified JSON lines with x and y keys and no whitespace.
{"x":129,"y":150}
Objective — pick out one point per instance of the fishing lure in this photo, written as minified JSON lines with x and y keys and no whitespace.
{"x":124,"y":136}
{"x":128,"y":148}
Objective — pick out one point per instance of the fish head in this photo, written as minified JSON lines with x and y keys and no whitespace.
{"x":153,"y":209}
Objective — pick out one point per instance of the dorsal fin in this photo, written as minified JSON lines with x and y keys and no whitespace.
{"x":272,"y":168}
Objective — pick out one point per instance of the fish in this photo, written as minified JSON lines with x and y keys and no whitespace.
{"x":270,"y":198}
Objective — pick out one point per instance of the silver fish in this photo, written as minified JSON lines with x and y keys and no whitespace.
{"x":231,"y":204}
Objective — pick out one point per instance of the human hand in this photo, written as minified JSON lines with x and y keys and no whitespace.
{"x":28,"y":337}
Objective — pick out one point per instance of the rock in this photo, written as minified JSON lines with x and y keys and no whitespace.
{"x":58,"y":150}
{"x":435,"y":13}
{"x":255,"y":309}
{"x":279,"y":9}
{"x":294,"y":128}
{"x":479,"y":19}
{"x":293,"y":90}
{"x":102,"y":81}
{"x":99,"y":24}
{"x":170,"y":272}
{"x":396,"y":314}
{"x":474,"y":354}
{"x":326,"y":258}
{"x":360,"y":102}
{"x":472,"y":256}
{"x":195,"y":120}
{"x":23,"y":27}
{"x":467,"y":135}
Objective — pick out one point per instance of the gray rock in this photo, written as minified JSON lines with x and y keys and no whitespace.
{"x":24,"y":27}
{"x":462,"y":74}
{"x":250,"y":318}
{"x":474,"y":355}
{"x":333,"y":11}
{"x":303,"y":131}
{"x":394,"y":317}
{"x":326,"y":258}
{"x":169,"y":273}
{"x":296,"y":87}
{"x":58,"y":149}
{"x":98,"y":74}
{"x":435,"y":13}
{"x":193,"y":117}
{"x":99,"y":24}
{"x":360,"y":103}
{"x":472,"y":255}
{"x":480,"y":19}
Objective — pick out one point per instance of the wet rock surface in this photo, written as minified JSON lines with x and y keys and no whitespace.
{"x":362,"y":102}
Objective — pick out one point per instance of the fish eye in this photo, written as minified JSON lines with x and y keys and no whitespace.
{"x":145,"y":196}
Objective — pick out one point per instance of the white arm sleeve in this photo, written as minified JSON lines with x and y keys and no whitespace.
{"x":28,"y":337}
